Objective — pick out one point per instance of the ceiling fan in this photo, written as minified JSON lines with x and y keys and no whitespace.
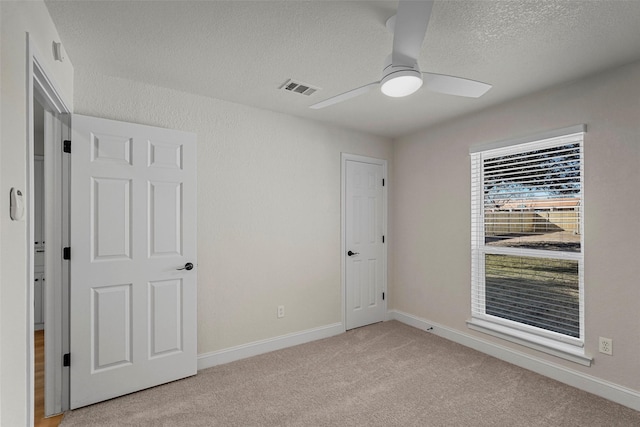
{"x":401,"y":75}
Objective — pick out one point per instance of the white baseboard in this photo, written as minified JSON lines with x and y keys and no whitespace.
{"x":208,"y":360}
{"x":590,"y":384}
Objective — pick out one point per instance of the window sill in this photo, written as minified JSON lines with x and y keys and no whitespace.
{"x":546,"y":345}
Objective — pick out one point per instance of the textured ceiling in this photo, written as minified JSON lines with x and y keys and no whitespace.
{"x":243,"y":51}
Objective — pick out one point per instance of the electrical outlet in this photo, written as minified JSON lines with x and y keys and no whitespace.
{"x":605,"y":345}
{"x":280,"y":311}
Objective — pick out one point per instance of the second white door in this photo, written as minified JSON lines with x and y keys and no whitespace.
{"x":364,"y":243}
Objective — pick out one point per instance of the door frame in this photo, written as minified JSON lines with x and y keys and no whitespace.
{"x":41,"y":86}
{"x":345,"y":157}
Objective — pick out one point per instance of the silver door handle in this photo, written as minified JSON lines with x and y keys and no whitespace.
{"x":353,"y":253}
{"x":188,"y":266}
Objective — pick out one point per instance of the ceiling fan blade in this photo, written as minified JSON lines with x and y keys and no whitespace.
{"x":344,"y":96}
{"x":458,"y":86}
{"x":411,"y":24}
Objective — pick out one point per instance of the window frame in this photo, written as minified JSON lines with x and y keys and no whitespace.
{"x":559,"y":344}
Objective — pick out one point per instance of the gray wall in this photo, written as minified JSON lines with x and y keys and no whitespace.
{"x":431,"y":203}
{"x":268,"y":206}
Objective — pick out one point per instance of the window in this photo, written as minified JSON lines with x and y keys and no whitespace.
{"x":527,"y":234}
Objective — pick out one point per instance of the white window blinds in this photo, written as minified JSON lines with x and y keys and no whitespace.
{"x":527,"y":237}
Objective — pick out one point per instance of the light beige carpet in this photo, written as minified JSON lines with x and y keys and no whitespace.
{"x":387,"y":374}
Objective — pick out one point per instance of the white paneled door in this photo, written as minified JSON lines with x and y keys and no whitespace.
{"x":133,"y":256}
{"x":364,"y":231}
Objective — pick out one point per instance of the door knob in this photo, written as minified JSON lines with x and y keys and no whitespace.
{"x":187,"y":266}
{"x":353,"y":253}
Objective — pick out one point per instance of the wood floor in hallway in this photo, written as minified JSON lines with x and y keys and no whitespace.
{"x":39,"y":419}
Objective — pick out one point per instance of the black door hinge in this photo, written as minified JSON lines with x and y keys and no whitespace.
{"x":383,"y":296}
{"x":66,"y":146}
{"x":383,"y":182}
{"x":382,"y":239}
{"x":66,"y":253}
{"x":66,"y":359}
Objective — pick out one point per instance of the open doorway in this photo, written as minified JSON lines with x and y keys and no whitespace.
{"x":47,"y":128}
{"x":47,"y":214}
{"x":38,"y":284}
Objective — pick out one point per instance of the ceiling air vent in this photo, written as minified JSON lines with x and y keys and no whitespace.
{"x":298,"y":87}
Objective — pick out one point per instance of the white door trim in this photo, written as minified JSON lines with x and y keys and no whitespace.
{"x":41,"y":86}
{"x":343,"y":230}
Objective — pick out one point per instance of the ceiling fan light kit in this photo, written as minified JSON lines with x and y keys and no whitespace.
{"x":402,"y":82}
